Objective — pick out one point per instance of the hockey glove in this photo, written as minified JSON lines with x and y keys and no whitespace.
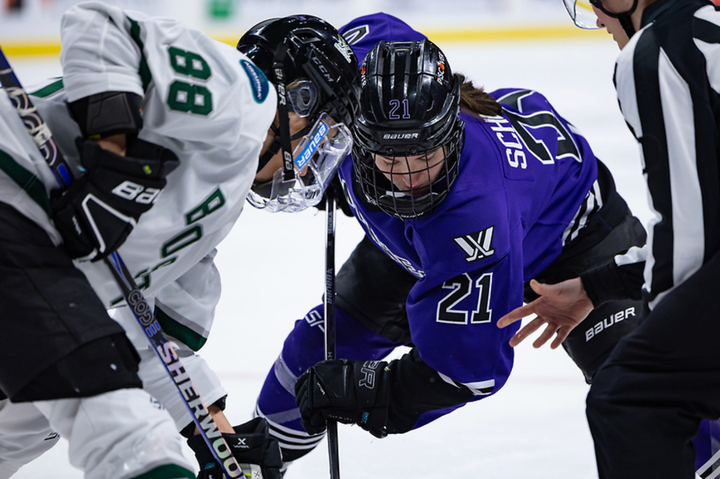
{"x":351,"y":392}
{"x":592,"y":341}
{"x":99,"y":210}
{"x":257,"y":454}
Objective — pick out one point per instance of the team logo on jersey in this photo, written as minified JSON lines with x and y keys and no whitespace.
{"x":258,"y":81}
{"x":477,"y":245}
{"x":356,"y":34}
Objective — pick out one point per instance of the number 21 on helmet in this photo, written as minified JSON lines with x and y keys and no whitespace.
{"x":409,"y":136}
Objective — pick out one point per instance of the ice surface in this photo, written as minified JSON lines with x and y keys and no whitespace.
{"x":273,"y":270}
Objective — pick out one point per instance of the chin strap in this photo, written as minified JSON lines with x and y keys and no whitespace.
{"x":272,"y":149}
{"x":623,"y":17}
{"x":282,"y":139}
{"x":274,"y":146}
{"x":285,"y":145}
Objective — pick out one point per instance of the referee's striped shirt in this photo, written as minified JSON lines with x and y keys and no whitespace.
{"x":668,"y":85}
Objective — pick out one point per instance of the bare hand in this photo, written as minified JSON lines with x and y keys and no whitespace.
{"x":560,"y":307}
{"x":115,"y":143}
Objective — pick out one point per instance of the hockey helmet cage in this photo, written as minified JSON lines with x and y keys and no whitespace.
{"x":409,"y":106}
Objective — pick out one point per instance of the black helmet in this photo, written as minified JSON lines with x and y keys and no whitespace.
{"x":410,"y":106}
{"x":303,"y":47}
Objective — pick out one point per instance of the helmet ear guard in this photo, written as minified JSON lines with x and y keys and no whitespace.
{"x":410,"y":107}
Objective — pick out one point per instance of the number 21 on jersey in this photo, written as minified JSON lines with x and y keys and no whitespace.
{"x":463,"y":286}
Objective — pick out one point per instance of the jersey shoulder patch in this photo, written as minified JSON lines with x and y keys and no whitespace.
{"x":258,"y":80}
{"x":356,"y":34}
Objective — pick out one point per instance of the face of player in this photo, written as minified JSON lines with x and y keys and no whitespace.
{"x":412,"y":174}
{"x":296,"y":124}
{"x":612,"y":25}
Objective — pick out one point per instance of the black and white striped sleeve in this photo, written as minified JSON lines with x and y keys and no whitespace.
{"x":621,"y":278}
{"x":667,"y":83}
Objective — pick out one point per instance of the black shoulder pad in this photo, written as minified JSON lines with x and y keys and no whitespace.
{"x":108,"y":113}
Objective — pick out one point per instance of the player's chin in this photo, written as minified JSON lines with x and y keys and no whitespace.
{"x":417,"y":191}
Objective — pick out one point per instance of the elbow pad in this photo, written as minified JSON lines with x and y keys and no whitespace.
{"x":108,"y":113}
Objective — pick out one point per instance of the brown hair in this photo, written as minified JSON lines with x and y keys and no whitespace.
{"x":475,"y":100}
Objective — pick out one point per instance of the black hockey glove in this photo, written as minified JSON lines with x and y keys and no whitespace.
{"x":257,"y":454}
{"x":351,"y":392}
{"x":99,"y":210}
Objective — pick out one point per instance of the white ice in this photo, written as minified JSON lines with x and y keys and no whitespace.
{"x":273,"y":272}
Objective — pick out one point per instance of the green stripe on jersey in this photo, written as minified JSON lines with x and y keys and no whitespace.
{"x":166,"y":472}
{"x":50,"y":89}
{"x":172,"y":328}
{"x":143,"y":70}
{"x":26,"y":180}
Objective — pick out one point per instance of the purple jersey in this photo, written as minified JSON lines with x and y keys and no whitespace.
{"x":522,"y":178}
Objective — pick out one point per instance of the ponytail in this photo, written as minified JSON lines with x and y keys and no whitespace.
{"x":475,"y":100}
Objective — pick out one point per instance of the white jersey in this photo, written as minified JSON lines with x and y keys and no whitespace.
{"x":203,"y":100}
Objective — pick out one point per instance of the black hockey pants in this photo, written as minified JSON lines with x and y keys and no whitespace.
{"x":647,"y":400}
{"x":56,"y":339}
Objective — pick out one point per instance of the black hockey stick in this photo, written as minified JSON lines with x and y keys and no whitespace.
{"x":332,"y":430}
{"x":135,"y":300}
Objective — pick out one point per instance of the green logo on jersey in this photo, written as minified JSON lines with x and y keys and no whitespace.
{"x":258,"y":81}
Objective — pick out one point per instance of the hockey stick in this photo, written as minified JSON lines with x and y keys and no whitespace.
{"x":332,"y":430}
{"x":41,"y":134}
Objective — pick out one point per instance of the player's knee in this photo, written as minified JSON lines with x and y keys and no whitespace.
{"x":136,"y":438}
{"x":305,"y":344}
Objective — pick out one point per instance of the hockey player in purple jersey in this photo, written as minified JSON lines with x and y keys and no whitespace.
{"x":464,"y":197}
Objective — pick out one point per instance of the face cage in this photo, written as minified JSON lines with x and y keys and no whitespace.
{"x":316,"y":160}
{"x":582,"y":13}
{"x":379,"y":191}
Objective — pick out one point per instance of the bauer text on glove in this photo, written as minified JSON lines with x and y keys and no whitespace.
{"x":351,"y":392}
{"x":99,"y":210}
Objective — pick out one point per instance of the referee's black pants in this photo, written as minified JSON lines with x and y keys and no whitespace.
{"x":647,"y":400}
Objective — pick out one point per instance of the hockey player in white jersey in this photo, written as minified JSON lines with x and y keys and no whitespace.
{"x":168,"y":132}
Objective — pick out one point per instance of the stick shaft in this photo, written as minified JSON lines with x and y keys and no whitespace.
{"x":332,"y":431}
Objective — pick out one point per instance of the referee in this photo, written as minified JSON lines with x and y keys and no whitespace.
{"x":647,"y":401}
